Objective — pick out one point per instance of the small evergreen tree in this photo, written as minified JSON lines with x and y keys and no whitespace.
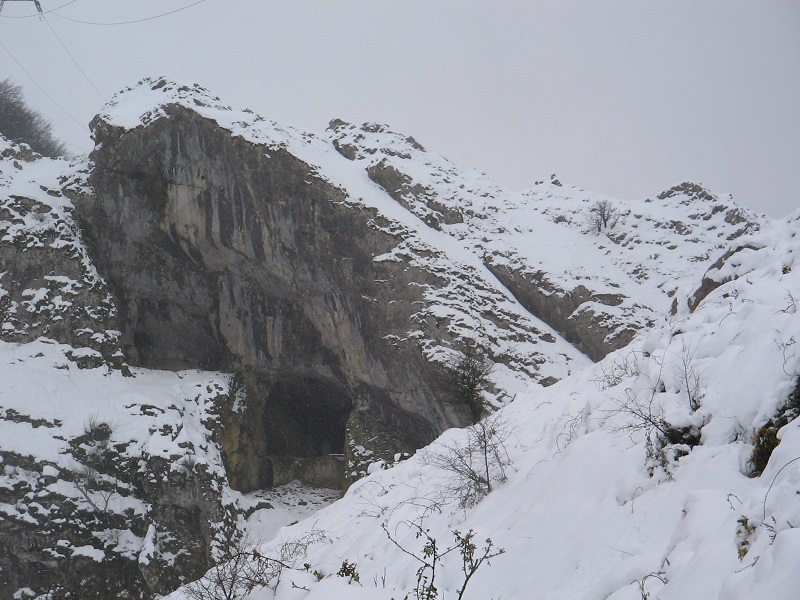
{"x":467,"y":377}
{"x":20,"y":123}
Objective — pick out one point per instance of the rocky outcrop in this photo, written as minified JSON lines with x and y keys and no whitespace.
{"x":130,"y":501}
{"x":531,"y":242}
{"x":225,"y":259}
{"x":712,"y":278}
{"x":48,"y":284}
{"x":577,"y":314}
{"x":235,"y":253}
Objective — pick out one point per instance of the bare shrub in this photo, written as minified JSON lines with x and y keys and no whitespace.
{"x":791,"y":304}
{"x":96,"y":457}
{"x":690,"y":378}
{"x":642,"y":583}
{"x":246,"y":568}
{"x":94,"y":488}
{"x":475,"y":466}
{"x":785,"y":348}
{"x":236,"y":577}
{"x":431,"y":554}
{"x":603,"y":215}
{"x":664,"y":442}
{"x":291,"y":552}
{"x":620,"y":369}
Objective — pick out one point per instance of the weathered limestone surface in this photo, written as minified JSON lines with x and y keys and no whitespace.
{"x":226,"y":255}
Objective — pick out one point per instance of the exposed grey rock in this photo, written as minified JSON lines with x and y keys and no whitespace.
{"x":225,"y":258}
{"x":598,"y":312}
{"x":583,"y":326}
{"x":48,"y":284}
{"x":111,"y":519}
{"x":234,"y":254}
{"x":712,"y":279}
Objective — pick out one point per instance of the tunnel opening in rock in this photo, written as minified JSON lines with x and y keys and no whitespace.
{"x":306,"y":417}
{"x":303,"y":424}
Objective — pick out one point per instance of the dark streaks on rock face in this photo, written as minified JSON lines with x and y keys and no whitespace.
{"x":228,"y":255}
{"x":559,"y":309}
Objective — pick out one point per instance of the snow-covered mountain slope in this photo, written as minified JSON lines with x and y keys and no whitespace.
{"x":595,"y":286}
{"x":359,"y":261}
{"x":119,"y":477}
{"x":634,"y":479}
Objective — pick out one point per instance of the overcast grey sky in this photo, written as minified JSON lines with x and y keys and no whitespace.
{"x":624,"y":98}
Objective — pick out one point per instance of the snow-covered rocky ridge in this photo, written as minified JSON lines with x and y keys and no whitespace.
{"x":596,"y":290}
{"x":403,"y":257}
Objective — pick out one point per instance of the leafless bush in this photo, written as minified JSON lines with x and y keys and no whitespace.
{"x":571,"y":429}
{"x":475,"y":466}
{"x":785,"y":347}
{"x":620,"y":369}
{"x":246,"y":568}
{"x":690,"y":378}
{"x":236,"y":577}
{"x":603,"y":215}
{"x":642,"y":583}
{"x":647,"y":416}
{"x":664,"y":442}
{"x":291,"y":552}
{"x":791,"y":304}
{"x":94,"y":489}
{"x":431,"y":554}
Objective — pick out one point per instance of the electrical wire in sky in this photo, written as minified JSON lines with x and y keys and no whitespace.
{"x":171,"y":12}
{"x":44,"y":91}
{"x":99,"y":93}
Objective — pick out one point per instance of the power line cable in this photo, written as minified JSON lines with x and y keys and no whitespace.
{"x":37,"y":13}
{"x":133,"y":21}
{"x":99,"y":93}
{"x":81,"y":150}
{"x":53,"y":100}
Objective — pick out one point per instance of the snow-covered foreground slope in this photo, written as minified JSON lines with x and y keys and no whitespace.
{"x":598,"y":503}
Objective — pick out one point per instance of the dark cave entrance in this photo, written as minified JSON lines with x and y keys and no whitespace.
{"x":311,"y":415}
{"x":304,"y":422}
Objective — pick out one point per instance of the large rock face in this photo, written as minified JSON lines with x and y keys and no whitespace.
{"x":236,"y":254}
{"x":239,"y":261}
